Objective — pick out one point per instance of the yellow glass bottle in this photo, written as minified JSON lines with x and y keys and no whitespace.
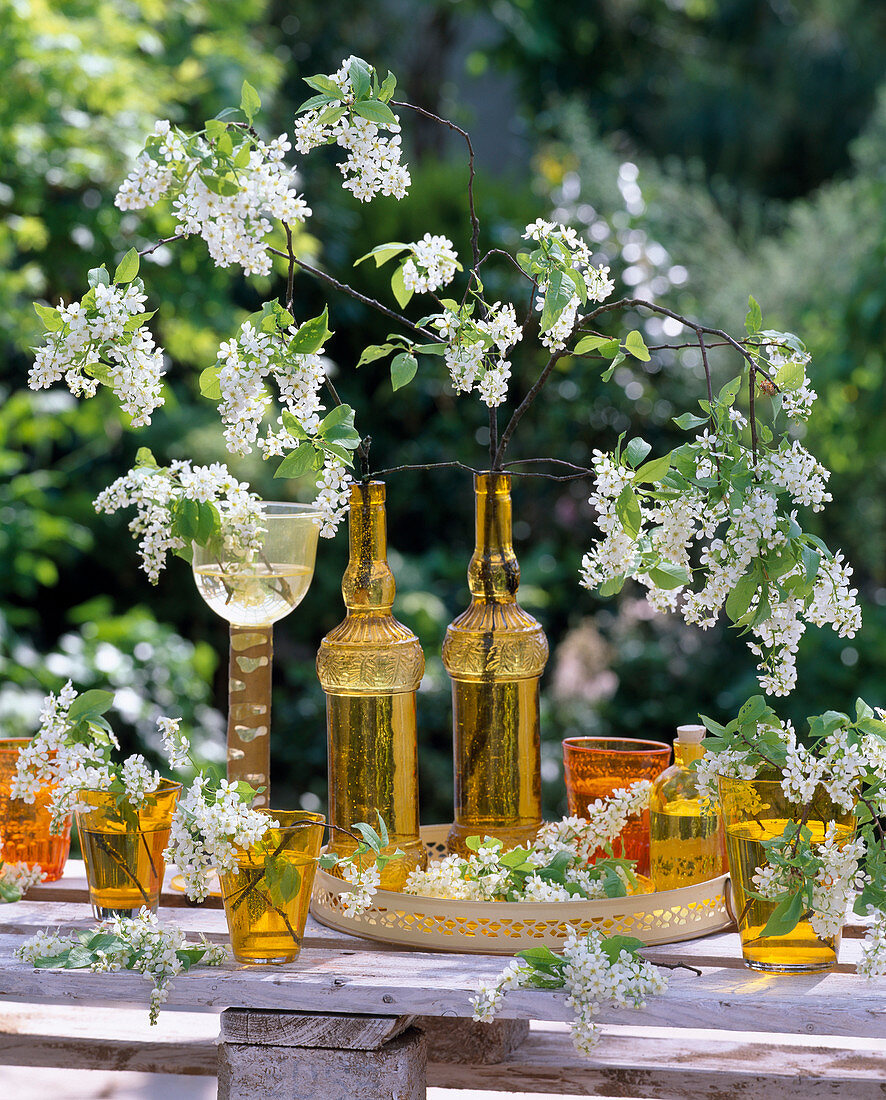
{"x":370,"y":667}
{"x":685,"y":845}
{"x":495,"y":654}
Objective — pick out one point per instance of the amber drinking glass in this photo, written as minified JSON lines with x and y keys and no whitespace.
{"x":756,"y":810}
{"x":252,"y":591}
{"x":123,"y":848}
{"x":597,"y":766}
{"x":268,"y":894}
{"x":24,"y":827}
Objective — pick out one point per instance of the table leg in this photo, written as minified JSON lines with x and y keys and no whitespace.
{"x":299,"y":1056}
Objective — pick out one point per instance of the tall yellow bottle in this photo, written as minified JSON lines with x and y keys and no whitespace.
{"x":495,"y":654}
{"x":370,"y":667}
{"x":685,"y":845}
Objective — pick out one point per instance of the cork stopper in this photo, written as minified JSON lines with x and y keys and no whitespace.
{"x":690,"y":735}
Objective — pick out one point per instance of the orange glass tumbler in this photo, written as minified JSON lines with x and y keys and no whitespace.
{"x":24,"y":826}
{"x":597,"y":766}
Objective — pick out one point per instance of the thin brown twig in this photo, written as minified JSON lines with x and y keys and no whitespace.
{"x":523,"y":407}
{"x":475,"y":224}
{"x":161,"y":242}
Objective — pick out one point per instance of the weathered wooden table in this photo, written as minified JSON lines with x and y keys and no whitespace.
{"x":353,"y":1019}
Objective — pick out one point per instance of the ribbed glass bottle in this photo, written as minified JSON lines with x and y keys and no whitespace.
{"x":370,"y":667}
{"x":495,"y":653}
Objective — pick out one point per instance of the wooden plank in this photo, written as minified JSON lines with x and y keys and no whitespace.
{"x":451,"y":1039}
{"x":670,"y":1070}
{"x":300,"y":1029}
{"x":323,"y":981}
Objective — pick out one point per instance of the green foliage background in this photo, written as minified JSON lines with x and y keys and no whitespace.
{"x":716,"y":146}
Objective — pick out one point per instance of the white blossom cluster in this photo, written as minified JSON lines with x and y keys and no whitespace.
{"x":247,"y":361}
{"x":156,"y":490}
{"x":210,"y":825}
{"x":102,"y":331}
{"x":54,"y":759}
{"x":873,"y":948}
{"x":333,"y":496}
{"x":476,"y":351}
{"x":837,"y":880}
{"x":17,"y":878}
{"x":175,"y":742}
{"x":365,"y":882}
{"x":730,"y":540}
{"x":483,"y":876}
{"x":591,"y":978}
{"x":372,"y":165}
{"x":234,"y":226}
{"x":564,"y":245}
{"x":431,"y":265}
{"x":138,"y":943}
{"x":798,"y":400}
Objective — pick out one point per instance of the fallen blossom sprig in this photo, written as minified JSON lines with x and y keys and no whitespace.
{"x":137,"y":943}
{"x":103,"y":339}
{"x":592,"y":969}
{"x":568,"y":860}
{"x":17,"y":878}
{"x":817,"y":865}
{"x":72,"y":752}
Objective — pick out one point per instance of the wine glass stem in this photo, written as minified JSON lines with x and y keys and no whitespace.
{"x":249,"y":707}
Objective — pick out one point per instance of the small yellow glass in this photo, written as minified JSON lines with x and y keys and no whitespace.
{"x":123,"y":848}
{"x":268,"y":895}
{"x":755,"y":810}
{"x":24,"y":826}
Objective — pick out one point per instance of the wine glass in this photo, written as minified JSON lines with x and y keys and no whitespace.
{"x":252,"y":590}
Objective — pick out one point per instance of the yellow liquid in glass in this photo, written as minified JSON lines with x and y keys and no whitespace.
{"x":799,"y":950}
{"x":685,"y":845}
{"x":125,"y":869}
{"x":257,"y":594}
{"x":264,"y":930}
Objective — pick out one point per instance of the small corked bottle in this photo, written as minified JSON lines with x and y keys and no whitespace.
{"x":686,"y":844}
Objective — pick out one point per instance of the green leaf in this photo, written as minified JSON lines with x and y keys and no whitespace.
{"x":811,"y":562}
{"x":315,"y":102}
{"x":310,"y":336}
{"x":667,"y":575}
{"x":613,"y":946}
{"x":283,"y":880}
{"x":98,"y":275}
{"x":214,"y":128}
{"x":292,"y":426}
{"x":754,"y":317}
{"x":90,"y":705}
{"x":250,"y":100}
{"x":208,"y":522}
{"x":361,"y":78}
{"x":790,"y":376}
{"x":340,"y":453}
{"x":298,"y":462}
{"x":636,"y":345}
{"x":687,"y":421}
{"x":729,"y":392}
{"x":388,"y":85}
{"x":785,"y":917}
{"x":627,"y":508}
{"x":403,"y":368}
{"x":541,"y":956}
{"x":49,"y":316}
{"x":225,"y":144}
{"x":383,"y":252}
{"x":341,"y":414}
{"x":321,"y":83}
{"x":374,"y":111}
{"x":344,"y":435}
{"x":636,"y":450}
{"x":594,"y":343}
{"x":612,"y":586}
{"x":752,"y":710}
{"x":739,"y":599}
{"x":144,"y":457}
{"x":430,"y":349}
{"x":187,"y":519}
{"x":398,"y":286}
{"x":375,"y":351}
{"x":332,"y":114}
{"x":241,"y":157}
{"x":209,"y":384}
{"x":654,"y":470}
{"x":558,"y":295}
{"x":617,"y":360}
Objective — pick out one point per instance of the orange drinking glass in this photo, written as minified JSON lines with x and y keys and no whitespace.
{"x":597,"y":766}
{"x":24,"y":827}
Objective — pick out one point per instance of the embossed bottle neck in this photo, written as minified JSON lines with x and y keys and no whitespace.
{"x":368,"y":583}
{"x":493,"y":572}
